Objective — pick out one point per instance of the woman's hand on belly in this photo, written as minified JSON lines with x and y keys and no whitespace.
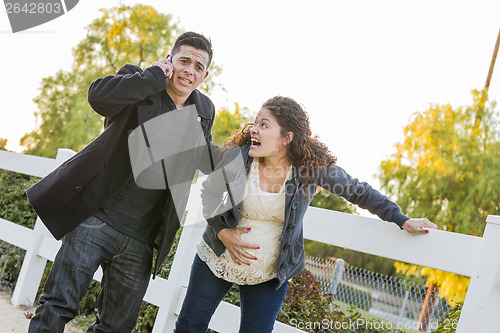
{"x":235,"y":246}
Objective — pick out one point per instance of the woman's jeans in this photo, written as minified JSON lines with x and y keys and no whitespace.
{"x":259,"y":303}
{"x":126,"y":264}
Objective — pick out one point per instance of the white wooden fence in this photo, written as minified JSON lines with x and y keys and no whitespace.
{"x":476,"y":257}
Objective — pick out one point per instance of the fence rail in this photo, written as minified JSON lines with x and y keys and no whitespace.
{"x":476,"y":257}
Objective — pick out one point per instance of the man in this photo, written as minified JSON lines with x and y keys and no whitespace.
{"x":93,"y":201}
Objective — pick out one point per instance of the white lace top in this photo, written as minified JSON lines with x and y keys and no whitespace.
{"x":264,"y":212}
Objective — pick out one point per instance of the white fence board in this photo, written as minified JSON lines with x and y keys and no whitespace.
{"x":15,"y":234}
{"x":447,"y":251}
{"x":27,"y":164}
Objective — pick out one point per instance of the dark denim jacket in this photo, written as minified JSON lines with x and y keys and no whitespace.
{"x":223,"y":190}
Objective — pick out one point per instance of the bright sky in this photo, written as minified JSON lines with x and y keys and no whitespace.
{"x":361,"y":68}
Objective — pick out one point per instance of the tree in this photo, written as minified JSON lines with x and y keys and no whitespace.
{"x":228,"y":122}
{"x":446,"y":168}
{"x":3,"y":143}
{"x":125,"y":34}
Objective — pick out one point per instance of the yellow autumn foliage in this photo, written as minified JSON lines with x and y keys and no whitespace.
{"x":446,"y":167}
{"x":451,"y":286}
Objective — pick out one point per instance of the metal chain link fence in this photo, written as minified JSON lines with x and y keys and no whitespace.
{"x":407,"y":304}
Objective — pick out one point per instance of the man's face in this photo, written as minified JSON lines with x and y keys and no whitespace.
{"x":190,"y":70}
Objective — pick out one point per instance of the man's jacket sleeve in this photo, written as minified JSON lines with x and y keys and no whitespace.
{"x":109,"y":95}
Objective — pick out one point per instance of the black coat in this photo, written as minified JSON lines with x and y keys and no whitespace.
{"x":79,"y":187}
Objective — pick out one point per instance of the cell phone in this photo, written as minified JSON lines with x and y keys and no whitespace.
{"x":169,"y":57}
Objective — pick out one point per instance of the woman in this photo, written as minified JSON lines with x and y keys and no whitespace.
{"x":254,"y":204}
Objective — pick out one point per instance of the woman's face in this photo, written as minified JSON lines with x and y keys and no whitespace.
{"x":266,"y":136}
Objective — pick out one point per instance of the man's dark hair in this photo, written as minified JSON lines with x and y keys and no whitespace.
{"x":195,"y":40}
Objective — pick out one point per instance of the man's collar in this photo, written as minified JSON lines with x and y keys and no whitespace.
{"x":195,"y":98}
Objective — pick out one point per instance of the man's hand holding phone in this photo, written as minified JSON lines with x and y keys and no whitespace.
{"x":166,"y":66}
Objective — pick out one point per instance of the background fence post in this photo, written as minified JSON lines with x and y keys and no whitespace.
{"x":337,"y":276}
{"x":403,"y":307}
{"x":33,"y":265}
{"x":480,"y":312}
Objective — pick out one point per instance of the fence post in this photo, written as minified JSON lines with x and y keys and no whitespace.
{"x":32,"y":269}
{"x":181,"y":266}
{"x":33,"y":265}
{"x":337,"y":276}
{"x":482,"y":306}
{"x":403,"y":307}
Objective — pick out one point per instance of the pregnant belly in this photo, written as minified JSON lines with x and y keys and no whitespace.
{"x":266,"y":235}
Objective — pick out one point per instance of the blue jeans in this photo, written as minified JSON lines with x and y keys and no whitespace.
{"x":260,"y":303}
{"x":126,"y":264}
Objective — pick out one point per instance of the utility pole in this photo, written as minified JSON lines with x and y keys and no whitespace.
{"x":484,"y":98}
{"x":492,"y":64}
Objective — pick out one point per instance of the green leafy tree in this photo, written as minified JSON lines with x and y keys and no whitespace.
{"x":228,"y":122}
{"x":447,"y":167}
{"x":124,"y":34}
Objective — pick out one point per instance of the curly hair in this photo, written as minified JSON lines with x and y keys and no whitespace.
{"x":310,"y":153}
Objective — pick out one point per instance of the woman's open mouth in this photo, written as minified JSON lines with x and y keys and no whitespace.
{"x":255,"y":143}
